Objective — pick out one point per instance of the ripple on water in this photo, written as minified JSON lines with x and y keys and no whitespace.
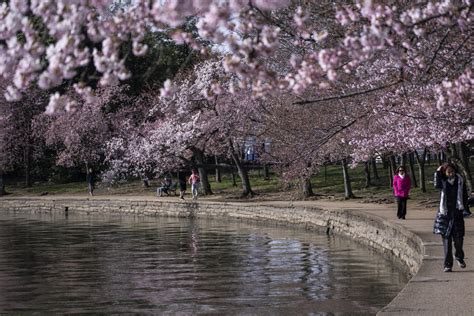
{"x":90,"y":264}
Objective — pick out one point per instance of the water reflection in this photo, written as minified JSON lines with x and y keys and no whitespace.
{"x":49,"y":263}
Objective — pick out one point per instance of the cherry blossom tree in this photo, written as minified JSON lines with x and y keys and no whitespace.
{"x":305,"y":138}
{"x":143,"y":150}
{"x":218,"y":123}
{"x":401,"y":127}
{"x":294,"y":134}
{"x":6,"y":152}
{"x":189,"y":124}
{"x":406,"y":65}
{"x":328,"y":40}
{"x":22,"y":144}
{"x":412,"y":59}
{"x":79,"y":135}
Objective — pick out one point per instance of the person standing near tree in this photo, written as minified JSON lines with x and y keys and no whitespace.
{"x":401,"y":190}
{"x":182,"y":185}
{"x":450,"y":220}
{"x":90,"y":181}
{"x":195,"y":182}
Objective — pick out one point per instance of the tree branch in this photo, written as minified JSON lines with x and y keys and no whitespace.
{"x":422,"y":21}
{"x":349,"y":95}
{"x":440,"y":45}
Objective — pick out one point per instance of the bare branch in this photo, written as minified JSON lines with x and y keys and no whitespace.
{"x":350,"y":95}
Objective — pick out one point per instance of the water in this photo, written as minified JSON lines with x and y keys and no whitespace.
{"x":90,"y":264}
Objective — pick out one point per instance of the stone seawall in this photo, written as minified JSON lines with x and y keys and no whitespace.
{"x":401,"y":244}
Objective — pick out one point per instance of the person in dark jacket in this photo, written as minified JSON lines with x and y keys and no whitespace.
{"x":453,"y":202}
{"x":182,"y":185}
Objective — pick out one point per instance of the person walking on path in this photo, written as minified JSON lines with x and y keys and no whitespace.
{"x":450,"y":220}
{"x":90,"y":181}
{"x":195,"y":181}
{"x":182,"y":185}
{"x":401,"y":190}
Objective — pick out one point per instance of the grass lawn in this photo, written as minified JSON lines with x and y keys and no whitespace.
{"x":331,"y":182}
{"x":327,"y":183}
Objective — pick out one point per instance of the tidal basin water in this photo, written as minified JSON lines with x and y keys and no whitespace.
{"x":55,"y":264}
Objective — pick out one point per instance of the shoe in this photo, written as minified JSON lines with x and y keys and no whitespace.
{"x":461,"y":263}
{"x":448,"y":269}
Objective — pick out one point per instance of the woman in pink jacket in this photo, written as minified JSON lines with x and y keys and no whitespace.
{"x":401,"y":189}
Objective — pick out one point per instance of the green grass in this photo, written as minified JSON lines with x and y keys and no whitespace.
{"x":257,"y":182}
{"x":331,"y":182}
{"x":325,"y":182}
{"x":73,"y":188}
{"x":50,"y":188}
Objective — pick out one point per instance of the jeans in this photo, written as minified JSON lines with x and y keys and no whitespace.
{"x":195,"y":190}
{"x":91,"y":188}
{"x":161,"y":190}
{"x":448,"y":250}
{"x":401,"y":207}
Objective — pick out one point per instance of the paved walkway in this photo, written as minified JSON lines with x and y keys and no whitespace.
{"x":431,"y":291}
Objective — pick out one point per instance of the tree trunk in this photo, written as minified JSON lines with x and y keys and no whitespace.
{"x":266,"y":172}
{"x":458,"y":157}
{"x":244,"y":176}
{"x":2,"y":185}
{"x":390,"y":175}
{"x":392,"y":168}
{"x":218,"y":171}
{"x":87,"y":168}
{"x":441,"y":157}
{"x":421,"y":167}
{"x":374,"y":169}
{"x":307,"y":188}
{"x":404,"y":160}
{"x":234,"y":180}
{"x":368,"y":181}
{"x":199,"y":158}
{"x":206,"y":186}
{"x":27,"y":162}
{"x":347,"y":181}
{"x":463,"y":153}
{"x":385,"y":162}
{"x":411,"y":160}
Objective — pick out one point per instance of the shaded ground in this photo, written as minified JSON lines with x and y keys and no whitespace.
{"x":422,"y":200}
{"x":327,"y":185}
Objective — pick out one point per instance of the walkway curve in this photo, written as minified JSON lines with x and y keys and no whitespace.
{"x":410,"y":242}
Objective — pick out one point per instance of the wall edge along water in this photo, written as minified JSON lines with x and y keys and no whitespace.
{"x":399,"y":243}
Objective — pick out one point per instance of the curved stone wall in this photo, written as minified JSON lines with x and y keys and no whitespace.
{"x":391,"y":239}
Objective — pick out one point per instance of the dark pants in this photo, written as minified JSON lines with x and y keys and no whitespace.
{"x":448,"y":250}
{"x":401,"y":207}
